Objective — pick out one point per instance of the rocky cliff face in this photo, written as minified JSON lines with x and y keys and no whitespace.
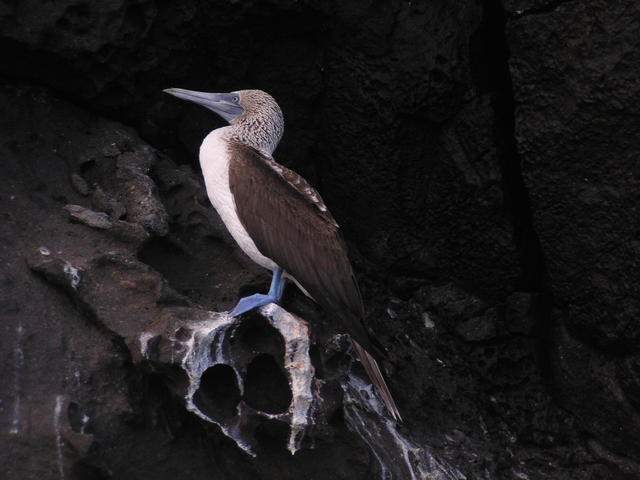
{"x":482,"y":162}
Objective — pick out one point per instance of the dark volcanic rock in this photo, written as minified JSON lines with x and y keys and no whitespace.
{"x":575,"y":75}
{"x":585,"y":373}
{"x":408,"y":148}
{"x":577,"y":96}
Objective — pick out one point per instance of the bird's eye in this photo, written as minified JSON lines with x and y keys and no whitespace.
{"x":236,"y":98}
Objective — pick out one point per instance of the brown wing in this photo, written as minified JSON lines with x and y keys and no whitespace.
{"x":289,"y":224}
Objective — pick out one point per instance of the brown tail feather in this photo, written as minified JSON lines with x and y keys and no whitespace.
{"x":371,"y":367}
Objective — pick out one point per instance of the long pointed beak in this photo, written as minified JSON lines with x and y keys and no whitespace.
{"x":224,"y":104}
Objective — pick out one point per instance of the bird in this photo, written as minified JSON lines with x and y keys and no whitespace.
{"x":277,"y":218}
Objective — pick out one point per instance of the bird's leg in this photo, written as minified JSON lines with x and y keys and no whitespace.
{"x":257,"y":300}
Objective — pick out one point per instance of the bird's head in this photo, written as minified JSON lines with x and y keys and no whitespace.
{"x":253,"y":112}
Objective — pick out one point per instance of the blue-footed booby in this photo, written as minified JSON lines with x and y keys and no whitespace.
{"x":277,"y":218}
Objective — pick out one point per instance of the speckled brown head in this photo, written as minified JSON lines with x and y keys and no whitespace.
{"x":261,"y":124}
{"x":254,"y":115}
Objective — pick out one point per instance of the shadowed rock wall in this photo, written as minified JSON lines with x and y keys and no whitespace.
{"x":576,"y":88}
{"x":413,"y":120}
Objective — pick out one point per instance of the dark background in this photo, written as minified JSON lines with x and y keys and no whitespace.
{"x":482,"y":158}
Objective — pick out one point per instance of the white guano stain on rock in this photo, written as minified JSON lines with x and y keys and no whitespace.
{"x":144,"y":343}
{"x":207,"y":336}
{"x":58,"y":431}
{"x":426,"y":320}
{"x":207,"y":345}
{"x":18,"y":363}
{"x":73,"y":275}
{"x":300,"y":371}
{"x":85,"y":422}
{"x":398,"y":457}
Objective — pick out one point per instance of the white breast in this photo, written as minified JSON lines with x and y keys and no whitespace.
{"x":214,"y":161}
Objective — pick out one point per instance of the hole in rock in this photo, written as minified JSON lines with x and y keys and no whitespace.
{"x":257,"y":335}
{"x":85,"y":167}
{"x":78,"y":418}
{"x":266,"y":387}
{"x":218,"y":395}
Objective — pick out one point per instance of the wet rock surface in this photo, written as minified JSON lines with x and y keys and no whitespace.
{"x":504,"y":295}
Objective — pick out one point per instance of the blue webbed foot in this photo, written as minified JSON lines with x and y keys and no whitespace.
{"x":252,"y":301}
{"x":257,"y":300}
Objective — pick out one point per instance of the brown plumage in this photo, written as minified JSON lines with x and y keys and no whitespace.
{"x":278,"y":207}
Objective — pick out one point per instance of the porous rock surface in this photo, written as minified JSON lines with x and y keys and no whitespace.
{"x":480,"y":158}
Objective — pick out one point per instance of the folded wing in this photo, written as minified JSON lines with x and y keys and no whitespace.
{"x":289,"y":223}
